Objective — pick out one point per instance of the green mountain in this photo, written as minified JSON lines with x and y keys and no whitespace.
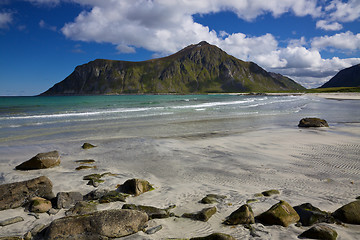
{"x":348,"y":77}
{"x":200,"y":68}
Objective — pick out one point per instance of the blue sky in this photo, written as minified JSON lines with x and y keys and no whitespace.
{"x":42,"y":41}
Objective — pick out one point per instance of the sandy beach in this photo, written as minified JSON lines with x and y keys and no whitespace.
{"x":318,"y":166}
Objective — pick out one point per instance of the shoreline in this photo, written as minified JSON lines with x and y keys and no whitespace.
{"x":305,"y":165}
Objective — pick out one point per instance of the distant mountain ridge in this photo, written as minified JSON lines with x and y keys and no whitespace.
{"x":199,"y":68}
{"x":348,"y":77}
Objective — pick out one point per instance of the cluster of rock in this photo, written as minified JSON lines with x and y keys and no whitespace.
{"x":83,"y":221}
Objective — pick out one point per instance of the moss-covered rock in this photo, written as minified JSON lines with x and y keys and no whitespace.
{"x":243,"y":215}
{"x":313,"y":122}
{"x":39,"y":205}
{"x":349,"y":213}
{"x":87,"y":146}
{"x":271,"y":192}
{"x":212,"y":198}
{"x":152,"y":212}
{"x":135,"y":186}
{"x":10,"y":221}
{"x":279,"y":214}
{"x":310,"y":215}
{"x":203,"y":215}
{"x":113,"y":196}
{"x":320,"y":232}
{"x":82,"y":207}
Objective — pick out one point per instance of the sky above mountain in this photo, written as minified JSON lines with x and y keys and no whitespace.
{"x":42,"y":41}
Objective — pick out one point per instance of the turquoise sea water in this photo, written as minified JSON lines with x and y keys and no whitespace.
{"x":38,"y":118}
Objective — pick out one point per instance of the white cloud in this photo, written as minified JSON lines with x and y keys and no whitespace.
{"x":328,"y":26}
{"x":5,"y":19}
{"x":344,"y":11}
{"x":346,"y":41}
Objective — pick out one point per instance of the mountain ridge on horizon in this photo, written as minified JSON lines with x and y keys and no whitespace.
{"x":198,"y":68}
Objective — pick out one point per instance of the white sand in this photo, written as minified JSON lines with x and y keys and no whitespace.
{"x":338,"y":96}
{"x":319,"y":166}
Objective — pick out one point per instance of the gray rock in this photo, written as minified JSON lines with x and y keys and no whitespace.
{"x":135,"y":186}
{"x":310,"y":215}
{"x":13,"y":195}
{"x":81,"y":207}
{"x":96,"y":194}
{"x":114,"y":223}
{"x":67,"y":199}
{"x":243,"y":215}
{"x":320,"y":232}
{"x":215,"y":236}
{"x":203,"y":215}
{"x":11,"y":221}
{"x":153,"y":230}
{"x":279,"y":214}
{"x":41,"y":161}
{"x":152,"y":212}
{"x":313,"y":122}
{"x":349,"y":213}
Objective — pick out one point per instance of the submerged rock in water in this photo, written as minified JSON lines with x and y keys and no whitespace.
{"x":279,"y":214}
{"x":13,"y":195}
{"x":320,"y":232}
{"x":41,"y":161}
{"x":204,"y":215}
{"x":313,"y":122}
{"x":135,"y":186}
{"x":349,"y":213}
{"x":310,"y":215}
{"x":243,"y":215}
{"x":113,"y":223}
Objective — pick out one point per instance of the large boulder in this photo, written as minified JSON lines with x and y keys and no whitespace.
{"x":279,"y":214}
{"x":320,"y":232}
{"x":41,"y":161}
{"x":13,"y":195}
{"x":310,"y":215}
{"x":313,"y":122}
{"x":135,"y":186}
{"x":243,"y":215}
{"x":113,"y":223}
{"x":349,"y":213}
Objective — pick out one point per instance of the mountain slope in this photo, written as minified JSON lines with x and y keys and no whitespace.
{"x":199,"y":68}
{"x":348,"y":77}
